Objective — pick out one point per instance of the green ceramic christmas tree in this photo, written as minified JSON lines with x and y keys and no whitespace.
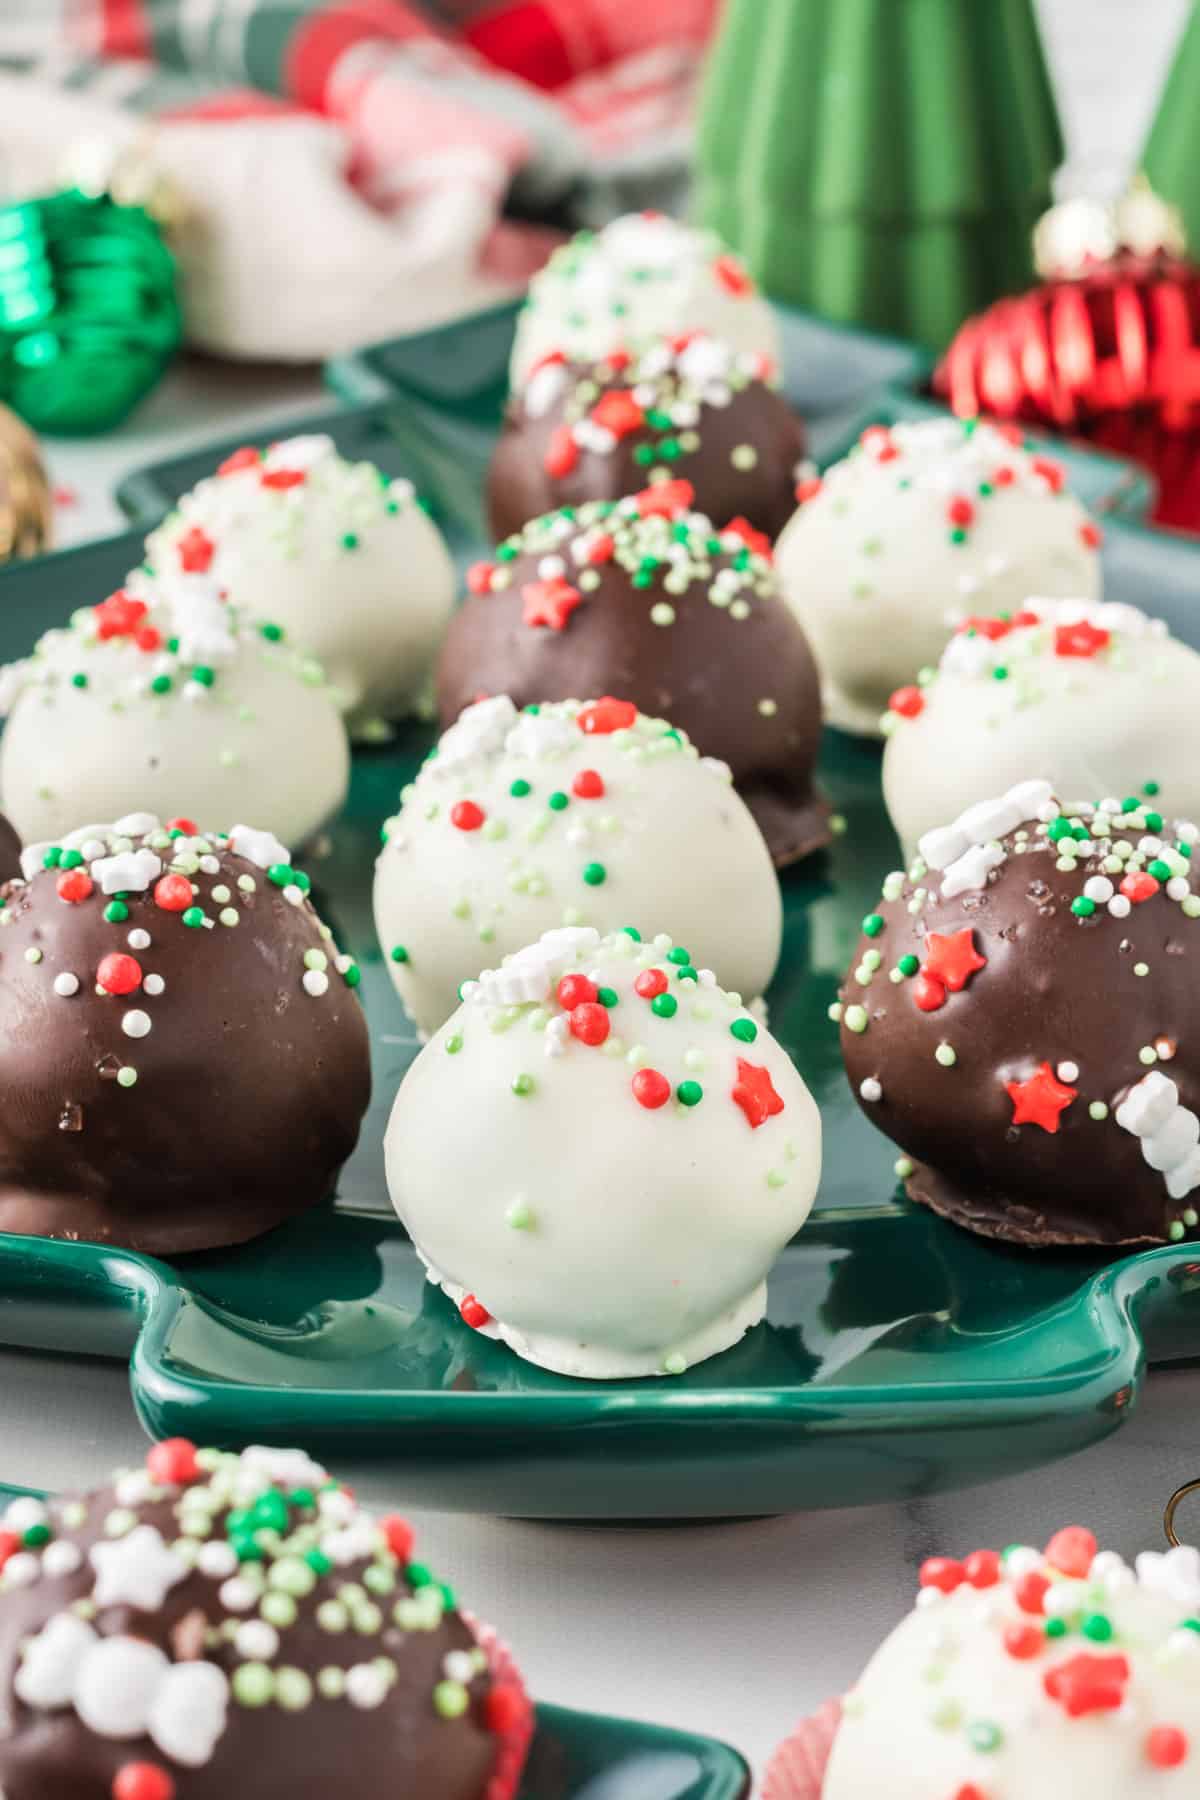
{"x":880,"y":161}
{"x":1172,"y":155}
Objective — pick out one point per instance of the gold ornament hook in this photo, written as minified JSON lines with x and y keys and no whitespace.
{"x":1172,"y":1507}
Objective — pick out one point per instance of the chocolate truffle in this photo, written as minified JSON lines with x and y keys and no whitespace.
{"x":213,"y":1625}
{"x":519,"y":822}
{"x":183,"y":1061}
{"x":643,"y":599}
{"x":1087,"y":692}
{"x":1018,"y":1020}
{"x":643,"y":275}
{"x":1030,"y":1674}
{"x":345,"y":560}
{"x":689,"y":405}
{"x":921,"y":525}
{"x":167,"y":696}
{"x":636,"y":1151}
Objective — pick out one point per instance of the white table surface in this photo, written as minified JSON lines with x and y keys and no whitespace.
{"x":735,"y":1629}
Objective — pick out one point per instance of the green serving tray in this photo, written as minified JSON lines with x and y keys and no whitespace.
{"x":900,"y":1356}
{"x":586,"y":1756}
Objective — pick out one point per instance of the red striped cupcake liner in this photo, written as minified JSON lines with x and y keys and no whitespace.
{"x":797,"y":1769}
{"x":516,"y":1735}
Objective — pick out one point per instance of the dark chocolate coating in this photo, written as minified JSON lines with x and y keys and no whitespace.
{"x":707,"y":672}
{"x":10,"y":851}
{"x":328,"y":1747}
{"x":520,"y":488}
{"x":249,"y":1093}
{"x":1056,"y":988}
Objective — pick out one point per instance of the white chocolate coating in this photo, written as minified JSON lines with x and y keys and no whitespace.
{"x":604,"y":1238}
{"x":877,"y":571}
{"x":346,"y":561}
{"x":674,"y":843}
{"x":643,"y":275}
{"x":944,"y":1708}
{"x":1094,"y":709}
{"x":259,"y":735}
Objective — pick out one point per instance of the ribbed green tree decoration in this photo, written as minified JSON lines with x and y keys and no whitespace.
{"x":1172,"y":155}
{"x":882,"y":162}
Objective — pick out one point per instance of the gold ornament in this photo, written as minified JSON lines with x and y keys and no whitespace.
{"x":26,"y":505}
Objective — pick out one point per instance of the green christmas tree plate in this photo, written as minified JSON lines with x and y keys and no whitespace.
{"x":899,"y":1356}
{"x":586,"y":1756}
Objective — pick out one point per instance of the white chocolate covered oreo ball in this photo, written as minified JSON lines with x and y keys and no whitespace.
{"x":643,"y":275}
{"x":921,"y":525}
{"x":628,"y":1151}
{"x":1092,"y":694}
{"x":1032,"y":1675}
{"x":167,"y":698}
{"x":520,"y":822}
{"x":346,"y":560}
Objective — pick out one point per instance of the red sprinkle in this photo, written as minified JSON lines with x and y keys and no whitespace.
{"x":173,"y":1462}
{"x":504,"y":1708}
{"x":196,"y":551}
{"x":982,"y":1568}
{"x":119,"y":974}
{"x":473,"y":1314}
{"x":588,"y":785}
{"x":1166,"y":1746}
{"x":549,"y":602}
{"x":618,"y":412}
{"x":951,"y":958}
{"x":1088,"y":1684}
{"x":75,"y":885}
{"x":1079,"y":640}
{"x":1091,"y":535}
{"x":808,"y":489}
{"x":1139,"y":886}
{"x":590,"y":1024}
{"x":909,"y":702}
{"x":142,"y":1781}
{"x":1071,"y":1551}
{"x":602,"y":548}
{"x":465,"y":815}
{"x":755,"y":541}
{"x":148,"y":638}
{"x":245,"y":458}
{"x":10,"y":1543}
{"x":1050,"y":472}
{"x":1040,"y":1099}
{"x":575,"y":990}
{"x":650,"y":983}
{"x":1003,"y":476}
{"x":666,"y":499}
{"x":650,"y":1089}
{"x":188,"y":827}
{"x":960,"y":511}
{"x":943,"y":1573}
{"x":732,"y":277}
{"x":755,"y":1093}
{"x":479,"y":577}
{"x":1023,"y":1642}
{"x":283,"y":478}
{"x":992,"y":629}
{"x":969,"y":1791}
{"x":1031,"y":1590}
{"x":119,"y":615}
{"x":604,"y":716}
{"x":399,"y":1535}
{"x":618,"y":360}
{"x":928,"y":993}
{"x":876,"y":439}
{"x":562,"y":453}
{"x":173,"y":893}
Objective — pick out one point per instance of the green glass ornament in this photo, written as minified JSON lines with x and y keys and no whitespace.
{"x":882,"y":162}
{"x":89,"y":313}
{"x":1171,"y":157}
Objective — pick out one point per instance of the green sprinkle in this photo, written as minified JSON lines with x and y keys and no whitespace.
{"x":52,"y":857}
{"x":350,"y":540}
{"x":984,"y":1736}
{"x":519,"y":1216}
{"x":958,"y":535}
{"x":557,"y":801}
{"x":1056,"y":1628}
{"x":204,"y":675}
{"x":79,"y":681}
{"x":744,"y":1030}
{"x":872,"y":924}
{"x":1160,"y":870}
{"x":688,"y":1093}
{"x":453,"y":1044}
{"x":1150,"y":788}
{"x":908,"y":965}
{"x":253,"y":1684}
{"x":632,"y":931}
{"x":999,"y":673}
{"x":595,"y":874}
{"x":607,"y":996}
{"x":116,"y":912}
{"x":352,"y":975}
{"x":678,"y":955}
{"x":519,"y":789}
{"x":127,"y":1077}
{"x":1154,"y":821}
{"x":70,"y":859}
{"x":399,"y":953}
{"x":522,"y":1084}
{"x":1082,"y":907}
{"x":1097,"y":1626}
{"x":665,"y":1005}
{"x":272,"y":633}
{"x":35,"y":1536}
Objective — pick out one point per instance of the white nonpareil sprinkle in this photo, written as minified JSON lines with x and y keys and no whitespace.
{"x":153,"y":984}
{"x":366,"y":1686}
{"x":217,"y":1560}
{"x":24,"y":1512}
{"x":316,"y":982}
{"x":256,"y":1640}
{"x":871,"y":1089}
{"x":136,"y":1023}
{"x":66,"y":984}
{"x":138,"y":939}
{"x":1068,"y":1071}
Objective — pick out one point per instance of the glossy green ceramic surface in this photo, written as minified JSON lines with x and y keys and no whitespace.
{"x":900,"y":1356}
{"x":588,"y":1756}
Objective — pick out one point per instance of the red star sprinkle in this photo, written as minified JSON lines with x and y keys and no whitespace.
{"x":732,"y":277}
{"x":952,"y":958}
{"x":479,"y":577}
{"x":119,"y":615}
{"x":283,"y":479}
{"x":743,"y":530}
{"x":562,"y":453}
{"x":245,"y":458}
{"x":909,"y":702}
{"x":618,"y":412}
{"x":605,"y":716}
{"x":1079,"y":640}
{"x":666,"y":499}
{"x":1088,"y":1684}
{"x":549,"y":602}
{"x":754,"y":1092}
{"x":1040,"y":1099}
{"x":196,"y":551}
